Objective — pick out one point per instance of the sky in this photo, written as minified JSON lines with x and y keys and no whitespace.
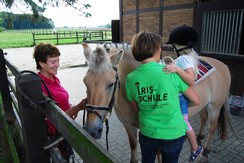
{"x":102,"y":11}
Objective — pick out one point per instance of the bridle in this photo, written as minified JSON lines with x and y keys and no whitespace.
{"x":95,"y":108}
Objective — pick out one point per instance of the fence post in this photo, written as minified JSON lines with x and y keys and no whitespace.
{"x":101,"y":32}
{"x":57,"y":37}
{"x":5,"y":92}
{"x":105,"y":34}
{"x":34,"y":40}
{"x":77,"y":37}
{"x":32,"y":119}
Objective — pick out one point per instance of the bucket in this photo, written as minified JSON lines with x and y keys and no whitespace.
{"x":235,"y":110}
{"x":236,"y":104}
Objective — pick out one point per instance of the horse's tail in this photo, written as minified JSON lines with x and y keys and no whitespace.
{"x":224,"y":119}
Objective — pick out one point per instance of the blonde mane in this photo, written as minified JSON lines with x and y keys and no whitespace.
{"x":99,"y":60}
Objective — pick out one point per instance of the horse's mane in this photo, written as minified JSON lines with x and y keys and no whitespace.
{"x":99,"y":60}
{"x":124,"y":46}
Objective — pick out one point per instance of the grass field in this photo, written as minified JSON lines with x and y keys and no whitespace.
{"x":24,"y":38}
{"x":15,"y":39}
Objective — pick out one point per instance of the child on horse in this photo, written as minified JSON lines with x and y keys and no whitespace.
{"x":183,"y":38}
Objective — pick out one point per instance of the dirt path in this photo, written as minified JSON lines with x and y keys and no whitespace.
{"x":22,"y":58}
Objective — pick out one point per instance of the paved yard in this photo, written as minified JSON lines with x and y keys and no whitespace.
{"x":231,"y":150}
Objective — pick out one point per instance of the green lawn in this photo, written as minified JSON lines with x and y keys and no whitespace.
{"x":24,"y":38}
{"x":15,"y":39}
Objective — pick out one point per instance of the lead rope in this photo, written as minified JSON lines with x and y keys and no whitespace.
{"x":111,"y":104}
{"x":107,"y":130}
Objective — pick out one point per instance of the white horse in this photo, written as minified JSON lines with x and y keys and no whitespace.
{"x":106,"y":86}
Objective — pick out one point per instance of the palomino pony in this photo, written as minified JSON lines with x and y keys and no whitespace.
{"x":106,"y":88}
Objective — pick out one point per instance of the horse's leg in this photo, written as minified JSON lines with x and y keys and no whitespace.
{"x":213,"y":117}
{"x":132,"y":135}
{"x":203,"y":121}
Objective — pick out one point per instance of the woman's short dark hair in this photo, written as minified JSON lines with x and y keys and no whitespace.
{"x":145,"y":44}
{"x":43,"y":51}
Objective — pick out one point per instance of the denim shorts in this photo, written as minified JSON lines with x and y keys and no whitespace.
{"x":170,"y":149}
{"x":184,"y":104}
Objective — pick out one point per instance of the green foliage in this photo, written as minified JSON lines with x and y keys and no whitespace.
{"x":106,"y":26}
{"x":25,"y":21}
{"x":1,"y":23}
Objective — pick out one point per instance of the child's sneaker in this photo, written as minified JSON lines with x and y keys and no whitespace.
{"x":196,"y":154}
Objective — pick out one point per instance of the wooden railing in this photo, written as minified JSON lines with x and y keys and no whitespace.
{"x":74,"y":36}
{"x":31,"y":115}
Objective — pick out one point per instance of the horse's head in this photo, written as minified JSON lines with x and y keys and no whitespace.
{"x":102,"y":83}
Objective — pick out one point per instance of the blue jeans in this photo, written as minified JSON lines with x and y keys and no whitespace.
{"x":170,"y":149}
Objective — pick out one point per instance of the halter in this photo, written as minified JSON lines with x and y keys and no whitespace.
{"x":94,"y":108}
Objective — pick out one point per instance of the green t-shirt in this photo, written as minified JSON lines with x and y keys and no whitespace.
{"x":157,"y":96}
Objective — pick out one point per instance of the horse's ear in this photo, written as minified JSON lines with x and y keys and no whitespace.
{"x":86,"y":50}
{"x":116,"y":57}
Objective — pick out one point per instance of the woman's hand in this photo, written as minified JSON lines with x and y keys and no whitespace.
{"x":82,"y":104}
{"x":73,"y":111}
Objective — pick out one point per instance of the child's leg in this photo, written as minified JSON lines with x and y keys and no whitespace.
{"x":192,"y":139}
{"x":190,"y":134}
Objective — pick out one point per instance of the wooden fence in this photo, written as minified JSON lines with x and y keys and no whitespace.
{"x":24,"y":105}
{"x":75,"y":36}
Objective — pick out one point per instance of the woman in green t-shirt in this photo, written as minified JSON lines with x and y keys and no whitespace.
{"x":154,"y":94}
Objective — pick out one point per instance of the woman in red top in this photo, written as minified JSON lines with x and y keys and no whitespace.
{"x":47,"y":62}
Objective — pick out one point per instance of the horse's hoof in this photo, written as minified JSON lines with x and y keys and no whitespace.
{"x":203,"y":159}
{"x":204,"y":156}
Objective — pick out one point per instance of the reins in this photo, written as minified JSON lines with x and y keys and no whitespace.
{"x":94,"y":108}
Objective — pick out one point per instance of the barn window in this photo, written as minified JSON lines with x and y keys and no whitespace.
{"x":222,"y":32}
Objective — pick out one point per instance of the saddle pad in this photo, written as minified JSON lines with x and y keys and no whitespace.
{"x":204,"y":70}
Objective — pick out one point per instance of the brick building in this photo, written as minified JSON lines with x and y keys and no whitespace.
{"x":219,"y":23}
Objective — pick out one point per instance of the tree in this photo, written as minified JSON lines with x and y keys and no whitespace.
{"x":1,"y":22}
{"x":1,"y":25}
{"x":25,"y":21}
{"x":38,"y":7}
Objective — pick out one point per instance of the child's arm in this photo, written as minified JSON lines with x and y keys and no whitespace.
{"x":187,"y":75}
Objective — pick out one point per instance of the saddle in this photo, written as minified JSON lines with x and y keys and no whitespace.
{"x":204,"y":70}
